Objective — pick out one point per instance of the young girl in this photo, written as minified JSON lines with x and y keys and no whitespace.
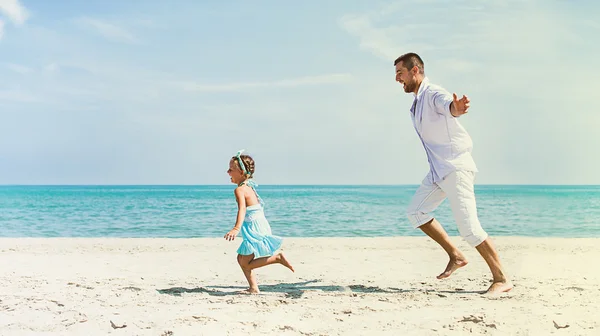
{"x":259,"y":245}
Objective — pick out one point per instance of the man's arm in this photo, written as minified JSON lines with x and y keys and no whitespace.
{"x":442,"y":101}
{"x":459,"y":106}
{"x":445,"y":103}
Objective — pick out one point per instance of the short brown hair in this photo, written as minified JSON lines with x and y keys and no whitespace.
{"x":248,"y":163}
{"x":410,"y":60}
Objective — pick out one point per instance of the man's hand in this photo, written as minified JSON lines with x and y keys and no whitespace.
{"x":231,"y":234}
{"x":459,"y":106}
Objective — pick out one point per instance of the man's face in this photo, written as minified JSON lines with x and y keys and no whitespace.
{"x":406,"y":77}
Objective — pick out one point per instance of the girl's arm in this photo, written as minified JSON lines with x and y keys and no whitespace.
{"x":241,"y":201}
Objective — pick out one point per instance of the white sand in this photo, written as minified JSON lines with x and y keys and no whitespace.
{"x":342,"y":286}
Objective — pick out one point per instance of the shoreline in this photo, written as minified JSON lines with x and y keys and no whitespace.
{"x":349,"y":286}
{"x":295,"y":238}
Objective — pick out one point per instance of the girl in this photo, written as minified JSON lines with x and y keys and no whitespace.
{"x":259,"y":245}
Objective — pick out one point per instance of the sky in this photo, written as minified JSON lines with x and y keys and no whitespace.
{"x":165,"y":92}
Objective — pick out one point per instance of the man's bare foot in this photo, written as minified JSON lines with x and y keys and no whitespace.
{"x":454,"y":264}
{"x":285,"y":262}
{"x":499,"y":287}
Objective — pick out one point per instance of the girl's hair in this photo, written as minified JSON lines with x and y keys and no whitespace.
{"x":248,"y":163}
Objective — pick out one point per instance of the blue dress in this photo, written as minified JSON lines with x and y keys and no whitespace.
{"x":256,"y":231}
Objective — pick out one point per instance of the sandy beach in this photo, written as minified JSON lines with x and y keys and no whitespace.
{"x":342,"y":286}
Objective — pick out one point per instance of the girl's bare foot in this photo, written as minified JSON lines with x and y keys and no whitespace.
{"x":249,"y":291}
{"x":455,"y":263}
{"x":282,"y":260}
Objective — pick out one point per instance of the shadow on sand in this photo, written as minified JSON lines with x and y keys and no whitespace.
{"x":297,"y":289}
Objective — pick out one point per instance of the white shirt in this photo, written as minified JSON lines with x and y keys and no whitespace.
{"x":446,"y":142}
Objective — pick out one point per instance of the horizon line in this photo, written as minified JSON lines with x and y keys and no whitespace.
{"x":283,"y":185}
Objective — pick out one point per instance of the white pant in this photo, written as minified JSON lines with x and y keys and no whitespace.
{"x":458,"y":188}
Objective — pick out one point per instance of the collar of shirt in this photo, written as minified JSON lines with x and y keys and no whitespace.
{"x":422,"y":88}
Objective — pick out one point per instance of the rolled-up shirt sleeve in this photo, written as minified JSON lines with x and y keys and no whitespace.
{"x":442,"y":101}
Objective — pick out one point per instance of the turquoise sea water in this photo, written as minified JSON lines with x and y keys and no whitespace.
{"x":294,"y":211}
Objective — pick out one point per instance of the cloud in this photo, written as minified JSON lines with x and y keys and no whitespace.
{"x":466,"y":26}
{"x":51,"y":68}
{"x":109,"y":30}
{"x":18,"y":96}
{"x":591,"y":24}
{"x":372,"y":39}
{"x":19,"y":68}
{"x":389,"y":40}
{"x":13,"y":9}
{"x":483,"y":38}
{"x":293,"y":82}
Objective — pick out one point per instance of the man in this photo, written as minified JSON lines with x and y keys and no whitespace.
{"x":452,"y":171}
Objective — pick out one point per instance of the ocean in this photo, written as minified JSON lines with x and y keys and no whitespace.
{"x":293,"y":211}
